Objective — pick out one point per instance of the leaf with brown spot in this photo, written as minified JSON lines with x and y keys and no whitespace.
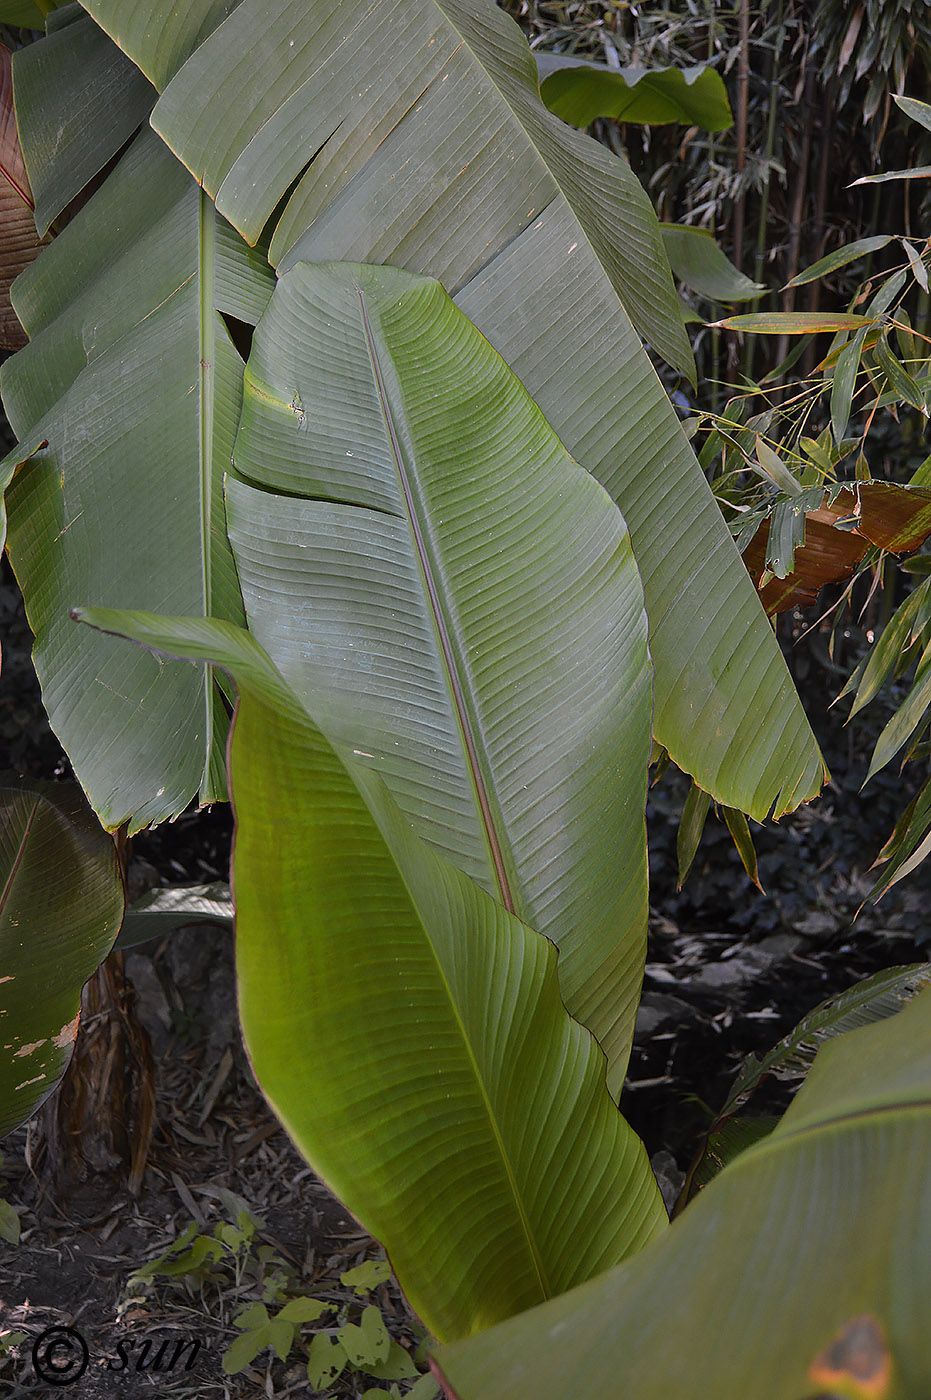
{"x":897,"y":518}
{"x":19,"y":242}
{"x":856,"y":1364}
{"x":828,"y":555}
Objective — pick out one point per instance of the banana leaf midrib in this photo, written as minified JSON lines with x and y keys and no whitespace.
{"x":855,"y":1120}
{"x":453,"y":664}
{"x":207,"y":217}
{"x":18,"y":859}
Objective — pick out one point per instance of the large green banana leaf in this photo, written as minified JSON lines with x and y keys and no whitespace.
{"x":61,"y":901}
{"x":417,"y":137}
{"x":408,"y":1030}
{"x":78,"y":100}
{"x":803,"y":1269}
{"x":456,"y":602}
{"x":133,"y":379}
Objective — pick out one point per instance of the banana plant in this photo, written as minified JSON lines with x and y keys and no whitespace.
{"x":406,"y":1028}
{"x":61,"y":901}
{"x":802,"y":1270}
{"x":435,"y":153}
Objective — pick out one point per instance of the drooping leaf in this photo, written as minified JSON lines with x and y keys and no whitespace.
{"x":694,"y":814}
{"x":786,"y":534}
{"x":458,"y":604}
{"x":906,"y":719}
{"x":696,"y":260}
{"x":845,"y":379}
{"x":161,"y":911}
{"x":579,"y":91}
{"x":450,"y":166}
{"x":406,"y":1028}
{"x":823,"y":1222}
{"x":61,"y":900}
{"x":840,"y":258}
{"x":19,"y":241}
{"x":895,"y":637}
{"x":908,"y":845}
{"x":739,"y":828}
{"x":79,"y":99}
{"x":132,"y":377}
{"x":871,"y":1000}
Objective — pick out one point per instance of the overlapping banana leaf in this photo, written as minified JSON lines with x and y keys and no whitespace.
{"x":132,"y":377}
{"x":803,"y":1269}
{"x":579,"y":91}
{"x":61,"y":901}
{"x":456,"y":601}
{"x":78,"y":100}
{"x":19,"y":242}
{"x":406,"y":1028}
{"x":416,"y":135}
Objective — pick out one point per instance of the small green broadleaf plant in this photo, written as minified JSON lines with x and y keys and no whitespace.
{"x":340,"y":1343}
{"x":227,"y":1255}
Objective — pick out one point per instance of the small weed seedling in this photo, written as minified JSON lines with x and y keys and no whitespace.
{"x":345,"y":1337}
{"x":351,"y":1336}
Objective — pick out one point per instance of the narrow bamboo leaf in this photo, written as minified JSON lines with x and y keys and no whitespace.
{"x":918,"y":111}
{"x":887,"y":293}
{"x":19,"y":241}
{"x":579,"y":91}
{"x":887,"y":650}
{"x":79,"y":100}
{"x":391,"y":463}
{"x":918,"y":172}
{"x":871,"y":1000}
{"x":691,"y":827}
{"x":903,"y":864}
{"x":133,"y":379}
{"x":919,"y":271}
{"x":479,"y":156}
{"x":900,"y":382}
{"x":905,"y":720}
{"x":845,"y":379}
{"x":908,"y":845}
{"x":775,"y":468}
{"x":793,"y":322}
{"x":819,"y":453}
{"x":786,"y":535}
{"x":840,"y":258}
{"x":696,"y":260}
{"x":817,"y":1225}
{"x":61,"y":900}
{"x":406,"y":1028}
